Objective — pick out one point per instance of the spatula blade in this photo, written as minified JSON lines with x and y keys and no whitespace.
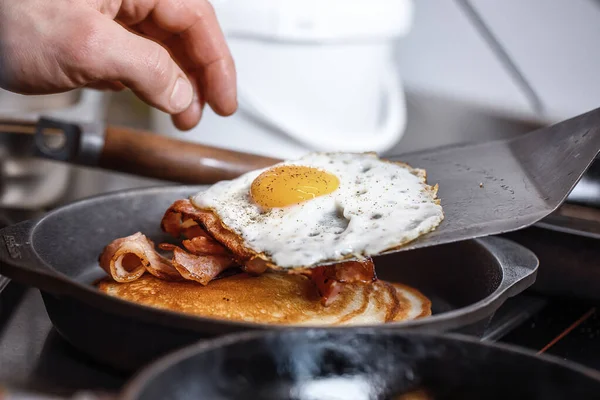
{"x":501,"y":186}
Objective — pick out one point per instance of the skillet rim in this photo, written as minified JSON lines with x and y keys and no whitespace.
{"x":110,"y":304}
{"x":135,"y":386}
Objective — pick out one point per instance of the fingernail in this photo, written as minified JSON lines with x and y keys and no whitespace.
{"x":182,"y":95}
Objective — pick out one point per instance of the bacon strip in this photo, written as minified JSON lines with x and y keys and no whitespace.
{"x":126,"y":259}
{"x":171,"y":223}
{"x":256,"y":266}
{"x":207,"y":255}
{"x":178,"y":216}
{"x":202,"y":245}
{"x":193,"y":231}
{"x":329,"y":278}
{"x":352,"y":271}
{"x":199,"y":268}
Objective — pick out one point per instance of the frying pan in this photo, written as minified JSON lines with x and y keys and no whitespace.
{"x":466,"y":281}
{"x":356,"y":364}
{"x":361,"y":364}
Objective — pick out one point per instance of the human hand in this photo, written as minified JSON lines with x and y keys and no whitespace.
{"x":58,"y":45}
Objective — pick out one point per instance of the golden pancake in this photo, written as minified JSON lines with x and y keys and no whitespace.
{"x":275,"y":298}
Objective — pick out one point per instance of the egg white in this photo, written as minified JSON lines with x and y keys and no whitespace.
{"x":378,"y":205}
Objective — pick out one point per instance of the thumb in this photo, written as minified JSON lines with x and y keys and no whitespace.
{"x":112,"y":53}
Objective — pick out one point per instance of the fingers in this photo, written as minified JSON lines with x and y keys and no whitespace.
{"x":190,"y":117}
{"x":150,"y":29}
{"x":106,"y":85}
{"x":196,"y":23}
{"x":192,"y":31}
{"x":105,"y":51}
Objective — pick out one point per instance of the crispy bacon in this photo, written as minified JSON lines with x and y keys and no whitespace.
{"x":126,"y":259}
{"x":210,"y":248}
{"x":171,"y":223}
{"x":175,"y":219}
{"x":199,"y":268}
{"x":352,"y":271}
{"x":193,"y":231}
{"x":256,"y":266}
{"x":181,"y":212}
{"x":166,"y":246}
{"x":202,"y":245}
{"x":329,"y":278}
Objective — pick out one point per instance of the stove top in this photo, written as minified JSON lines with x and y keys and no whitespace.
{"x":566,"y":329}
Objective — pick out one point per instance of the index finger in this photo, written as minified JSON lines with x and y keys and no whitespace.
{"x":196,"y":24}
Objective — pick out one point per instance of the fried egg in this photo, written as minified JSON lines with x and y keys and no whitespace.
{"x":325,"y":207}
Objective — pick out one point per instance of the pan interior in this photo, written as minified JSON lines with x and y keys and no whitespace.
{"x":304,"y":365}
{"x":452,"y":276}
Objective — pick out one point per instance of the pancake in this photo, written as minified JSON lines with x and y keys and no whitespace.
{"x":275,"y":298}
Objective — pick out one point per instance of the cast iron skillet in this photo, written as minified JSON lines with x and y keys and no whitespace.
{"x":355,"y":364}
{"x":359,"y":365}
{"x":466,"y":281}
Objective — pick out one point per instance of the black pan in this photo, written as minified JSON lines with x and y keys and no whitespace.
{"x":58,"y":253}
{"x":359,"y":365}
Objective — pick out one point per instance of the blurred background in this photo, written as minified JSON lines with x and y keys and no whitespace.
{"x":391,"y":76}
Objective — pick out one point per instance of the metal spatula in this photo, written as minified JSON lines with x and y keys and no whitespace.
{"x":485,"y":189}
{"x":501,"y":186}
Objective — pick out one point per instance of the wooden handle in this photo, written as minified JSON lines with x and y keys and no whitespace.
{"x":155,"y":156}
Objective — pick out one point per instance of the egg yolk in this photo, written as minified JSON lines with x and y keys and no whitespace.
{"x":291,"y":184}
